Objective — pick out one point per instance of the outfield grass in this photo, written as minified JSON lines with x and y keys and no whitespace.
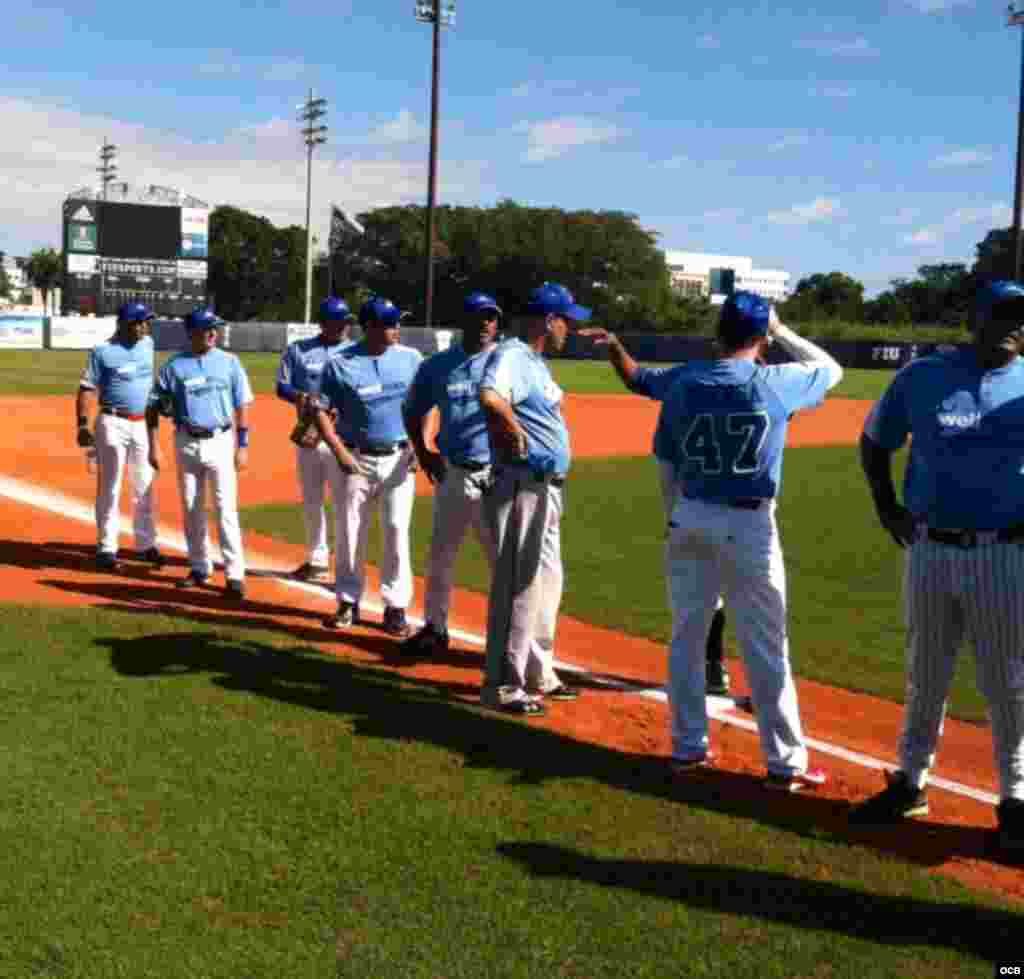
{"x":187,"y":800}
{"x":844,"y":572}
{"x":42,"y":372}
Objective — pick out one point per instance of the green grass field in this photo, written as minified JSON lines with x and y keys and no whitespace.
{"x":844,"y":572}
{"x":39,"y":372}
{"x":185,"y":799}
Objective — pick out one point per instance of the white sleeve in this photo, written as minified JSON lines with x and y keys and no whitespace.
{"x":805,"y":352}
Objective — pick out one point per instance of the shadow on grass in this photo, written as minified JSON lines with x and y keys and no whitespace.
{"x":409,"y":709}
{"x":65,"y":556}
{"x":986,"y":933}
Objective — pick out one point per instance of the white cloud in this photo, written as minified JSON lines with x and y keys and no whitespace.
{"x":937,"y":6}
{"x":708,"y":42}
{"x":404,"y":128}
{"x":858,"y":47}
{"x":833,"y":91}
{"x":992,"y":215}
{"x":820,"y":209}
{"x":555,"y":137}
{"x":961,"y":158}
{"x":49,"y":151}
{"x":290,"y":70}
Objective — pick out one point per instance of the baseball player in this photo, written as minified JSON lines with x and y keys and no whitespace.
{"x":372,"y":462}
{"x":204,"y":390}
{"x":725,"y":423}
{"x":461,"y":467}
{"x":655,"y":383}
{"x":120,"y":373}
{"x":962,"y":523}
{"x":298,"y":382}
{"x":530,"y":441}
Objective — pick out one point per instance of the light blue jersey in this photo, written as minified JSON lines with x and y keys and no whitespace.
{"x":966,"y":424}
{"x":450,"y":380}
{"x":725,"y":424}
{"x":520,"y":376}
{"x":203,"y":391}
{"x":121,"y":375}
{"x":368,"y":392}
{"x":655,"y":383}
{"x":303,"y":364}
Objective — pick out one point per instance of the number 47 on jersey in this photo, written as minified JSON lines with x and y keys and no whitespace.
{"x":725,"y":444}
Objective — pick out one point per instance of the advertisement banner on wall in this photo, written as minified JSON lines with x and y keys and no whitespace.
{"x":82,"y":264}
{"x":21,"y":332}
{"x":195,"y":232}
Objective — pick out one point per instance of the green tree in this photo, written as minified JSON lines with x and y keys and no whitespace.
{"x":941,"y":293}
{"x":834,"y":295}
{"x":5,"y":282}
{"x":45,"y":271}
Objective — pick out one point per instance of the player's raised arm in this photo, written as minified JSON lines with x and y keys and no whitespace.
{"x":619,"y":357}
{"x":803,"y":351}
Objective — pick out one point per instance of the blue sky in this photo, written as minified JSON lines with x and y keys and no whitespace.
{"x":869,"y":139}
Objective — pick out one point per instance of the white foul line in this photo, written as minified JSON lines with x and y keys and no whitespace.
{"x":721,"y":709}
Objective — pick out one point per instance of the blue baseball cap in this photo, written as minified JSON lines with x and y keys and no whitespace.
{"x":744,"y":316}
{"x":383,"y":312}
{"x":134,"y":313}
{"x":477,"y":302}
{"x":202,"y":318}
{"x":333,"y":309}
{"x":553,"y":299}
{"x":1004,"y":294}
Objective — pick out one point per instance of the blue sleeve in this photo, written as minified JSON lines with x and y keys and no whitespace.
{"x":285,"y":389}
{"x":241,"y":393}
{"x":798,"y":386}
{"x":421,"y":397}
{"x":162,"y":392}
{"x":502,"y":374}
{"x":655,"y":382}
{"x":330,"y":387}
{"x":888,"y":422}
{"x":91,"y":374}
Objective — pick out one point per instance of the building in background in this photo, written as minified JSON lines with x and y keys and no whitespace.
{"x":148,"y":244}
{"x":701,"y":274}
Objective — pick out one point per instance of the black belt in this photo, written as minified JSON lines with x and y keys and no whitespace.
{"x":751,"y":503}
{"x":470,"y":466}
{"x":377,"y":450}
{"x":194,"y":431}
{"x":121,"y":413}
{"x":967,"y":539}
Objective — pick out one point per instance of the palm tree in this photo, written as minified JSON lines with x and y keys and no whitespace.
{"x":45,"y":271}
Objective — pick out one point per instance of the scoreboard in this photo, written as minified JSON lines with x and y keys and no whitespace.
{"x":116,"y":251}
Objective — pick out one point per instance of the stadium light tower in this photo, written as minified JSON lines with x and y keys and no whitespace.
{"x":1015,"y":18}
{"x":107,"y":168}
{"x":439,"y":13}
{"x":314,"y":133}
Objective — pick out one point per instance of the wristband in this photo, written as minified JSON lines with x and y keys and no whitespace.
{"x":243,"y":438}
{"x":83,"y":421}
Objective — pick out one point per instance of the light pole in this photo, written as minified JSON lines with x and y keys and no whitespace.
{"x":107,"y":171}
{"x":1015,"y":18}
{"x":313,"y":132}
{"x":439,"y":13}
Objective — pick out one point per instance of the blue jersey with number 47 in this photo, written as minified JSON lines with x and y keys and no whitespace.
{"x":724,"y":424}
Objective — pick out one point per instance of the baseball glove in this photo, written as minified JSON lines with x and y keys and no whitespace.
{"x":305,"y":434}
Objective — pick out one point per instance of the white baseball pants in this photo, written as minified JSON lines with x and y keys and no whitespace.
{"x":526,"y":588}
{"x":121,"y":443}
{"x":713,"y":550}
{"x":458,"y":503}
{"x":313,"y":467}
{"x":390,"y":483}
{"x":953,"y":593}
{"x":202,"y":461}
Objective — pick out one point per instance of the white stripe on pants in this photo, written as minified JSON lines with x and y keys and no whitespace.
{"x":313,"y":467}
{"x":458,"y":502}
{"x":951,"y":593}
{"x":714,"y":549}
{"x":526,"y":588}
{"x":121,"y":442}
{"x":387,"y":481}
{"x":213,"y":460}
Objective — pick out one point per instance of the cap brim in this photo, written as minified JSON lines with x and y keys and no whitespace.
{"x":579,"y":313}
{"x":486,"y":309}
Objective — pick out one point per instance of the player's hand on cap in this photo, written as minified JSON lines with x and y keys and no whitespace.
{"x":86,"y":439}
{"x":898,"y":520}
{"x":773,"y":320}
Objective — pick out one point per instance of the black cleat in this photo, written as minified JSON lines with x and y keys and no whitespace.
{"x":899,"y":800}
{"x":153,"y":556}
{"x":106,"y":561}
{"x":235,"y":589}
{"x":192,"y":580}
{"x":429,"y":641}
